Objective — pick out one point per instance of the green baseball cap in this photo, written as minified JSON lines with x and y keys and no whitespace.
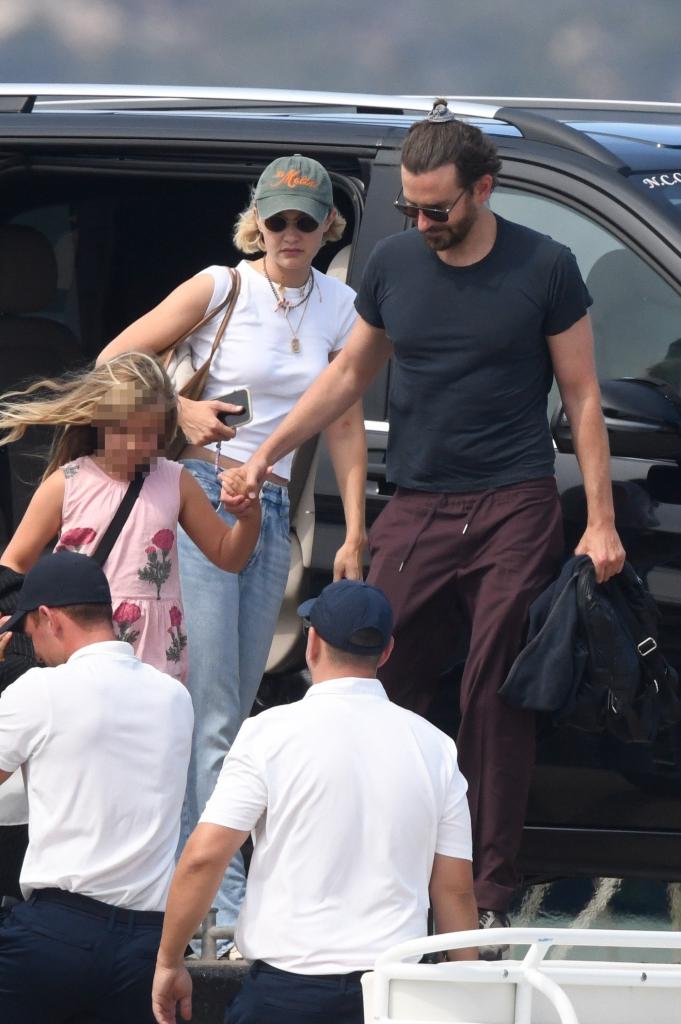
{"x":294,"y":183}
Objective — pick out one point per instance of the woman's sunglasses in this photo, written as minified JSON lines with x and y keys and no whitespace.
{"x":277,"y":223}
{"x":436,"y":213}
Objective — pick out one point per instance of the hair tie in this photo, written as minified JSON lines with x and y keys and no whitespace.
{"x":440,"y":114}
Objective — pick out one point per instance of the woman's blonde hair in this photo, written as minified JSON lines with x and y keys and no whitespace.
{"x":78,"y":402}
{"x":248,"y":238}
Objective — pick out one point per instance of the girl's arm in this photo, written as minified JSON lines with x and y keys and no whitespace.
{"x":41,"y":523}
{"x":158,"y":329}
{"x":227,"y":547}
{"x":346,"y":441}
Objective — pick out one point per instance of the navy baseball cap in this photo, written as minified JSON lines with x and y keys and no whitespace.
{"x":352,"y":616}
{"x":58,"y":581}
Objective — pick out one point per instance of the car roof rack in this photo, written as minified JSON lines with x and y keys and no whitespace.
{"x":570,"y":103}
{"x":537,"y":127}
{"x":54,"y":95}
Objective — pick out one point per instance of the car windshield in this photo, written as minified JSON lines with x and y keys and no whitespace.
{"x":663,"y":186}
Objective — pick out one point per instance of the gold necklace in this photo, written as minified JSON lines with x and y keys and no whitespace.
{"x":295,"y":340}
{"x":282,"y":301}
{"x":286,"y":306}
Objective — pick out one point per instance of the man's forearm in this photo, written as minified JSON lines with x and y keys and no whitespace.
{"x":208,"y":851}
{"x":331,"y":394}
{"x":191,"y":895}
{"x":590,"y":441}
{"x":455,"y":911}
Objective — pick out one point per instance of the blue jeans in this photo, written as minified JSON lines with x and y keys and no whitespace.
{"x":231,"y":619}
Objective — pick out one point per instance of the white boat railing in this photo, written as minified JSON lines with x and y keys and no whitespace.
{"x":531,"y":990}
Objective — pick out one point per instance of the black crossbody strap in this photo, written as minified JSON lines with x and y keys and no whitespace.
{"x":103,"y":549}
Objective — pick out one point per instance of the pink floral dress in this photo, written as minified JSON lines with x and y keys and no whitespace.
{"x":142,"y":568}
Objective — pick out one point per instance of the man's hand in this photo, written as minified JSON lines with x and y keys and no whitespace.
{"x":348,"y":563}
{"x":604,"y":548}
{"x":172,"y":985}
{"x":256,"y":470}
{"x":4,"y":641}
{"x":234,"y":496}
{"x":199,"y":420}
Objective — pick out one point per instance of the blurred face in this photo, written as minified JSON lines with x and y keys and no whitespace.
{"x":289,"y":246}
{"x":132,"y":442}
{"x":441,"y":189}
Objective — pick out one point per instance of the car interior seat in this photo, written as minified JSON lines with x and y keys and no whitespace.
{"x":32,"y":345}
{"x":338,"y":267}
{"x":636,"y":315}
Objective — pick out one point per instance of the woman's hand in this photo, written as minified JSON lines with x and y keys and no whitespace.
{"x":199,"y":420}
{"x":348,"y":563}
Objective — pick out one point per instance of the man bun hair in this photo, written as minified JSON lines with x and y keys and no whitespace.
{"x":441,"y":139}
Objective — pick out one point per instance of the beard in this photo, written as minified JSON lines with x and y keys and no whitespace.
{"x":450,"y":236}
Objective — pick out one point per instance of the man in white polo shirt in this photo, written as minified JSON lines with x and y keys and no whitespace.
{"x":357,"y":807}
{"x":104,"y":743}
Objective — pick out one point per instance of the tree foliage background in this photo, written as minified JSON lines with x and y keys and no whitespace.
{"x":581,"y":48}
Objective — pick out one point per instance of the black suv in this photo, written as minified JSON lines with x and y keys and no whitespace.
{"x":110,"y":196}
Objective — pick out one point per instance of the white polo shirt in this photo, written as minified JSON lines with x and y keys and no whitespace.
{"x":349,"y":797}
{"x":104,"y":741}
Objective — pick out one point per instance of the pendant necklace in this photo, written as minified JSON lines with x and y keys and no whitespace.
{"x":285,"y":305}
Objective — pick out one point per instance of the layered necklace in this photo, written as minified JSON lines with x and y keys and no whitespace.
{"x":286,"y":306}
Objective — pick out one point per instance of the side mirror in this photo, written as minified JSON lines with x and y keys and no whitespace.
{"x":642,"y":417}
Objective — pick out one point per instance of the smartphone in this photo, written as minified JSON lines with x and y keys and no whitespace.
{"x":240,"y":396}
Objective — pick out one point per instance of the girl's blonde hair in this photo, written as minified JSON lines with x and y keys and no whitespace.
{"x":248,"y":239}
{"x":78,"y":402}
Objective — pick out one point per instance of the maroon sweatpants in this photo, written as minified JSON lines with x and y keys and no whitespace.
{"x":475,"y":562}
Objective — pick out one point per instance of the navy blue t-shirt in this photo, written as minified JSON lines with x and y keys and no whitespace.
{"x":472,"y":369}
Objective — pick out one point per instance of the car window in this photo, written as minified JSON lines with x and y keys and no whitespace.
{"x":57,"y":223}
{"x":664,"y":187}
{"x":636,"y":315}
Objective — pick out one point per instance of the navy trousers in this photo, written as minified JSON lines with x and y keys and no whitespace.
{"x":271,"y":996}
{"x":69,"y":958}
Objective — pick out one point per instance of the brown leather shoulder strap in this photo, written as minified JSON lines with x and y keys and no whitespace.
{"x":195,"y":385}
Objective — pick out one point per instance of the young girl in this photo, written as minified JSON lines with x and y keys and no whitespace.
{"x":115,"y":420}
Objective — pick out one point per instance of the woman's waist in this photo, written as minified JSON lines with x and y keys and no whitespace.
{"x":196,"y":451}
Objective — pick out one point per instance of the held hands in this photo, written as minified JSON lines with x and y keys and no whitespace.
{"x":257,"y":469}
{"x":604,"y":548}
{"x":234,"y":495}
{"x":172,"y":985}
{"x":348,"y":563}
{"x":199,"y":421}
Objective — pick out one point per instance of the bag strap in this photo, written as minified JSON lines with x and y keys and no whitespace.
{"x":227,"y":308}
{"x":197,"y":381}
{"x":103,"y":549}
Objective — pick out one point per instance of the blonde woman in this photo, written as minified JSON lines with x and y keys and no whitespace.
{"x":112,"y":422}
{"x":288,"y":323}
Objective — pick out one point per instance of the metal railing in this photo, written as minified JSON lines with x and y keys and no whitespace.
{"x":210,"y":933}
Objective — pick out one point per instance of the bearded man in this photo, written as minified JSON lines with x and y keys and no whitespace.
{"x":479,"y":314}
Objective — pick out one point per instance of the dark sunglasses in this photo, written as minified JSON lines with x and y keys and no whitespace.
{"x":277,"y":223}
{"x":439,"y":214}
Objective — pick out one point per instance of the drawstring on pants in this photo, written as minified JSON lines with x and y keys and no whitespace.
{"x":430,"y":515}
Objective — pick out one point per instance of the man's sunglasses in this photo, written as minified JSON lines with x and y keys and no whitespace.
{"x":277,"y":223}
{"x":439,"y":214}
